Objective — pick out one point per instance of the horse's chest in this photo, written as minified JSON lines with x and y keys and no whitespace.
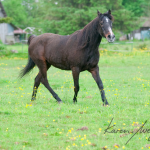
{"x":91,"y":62}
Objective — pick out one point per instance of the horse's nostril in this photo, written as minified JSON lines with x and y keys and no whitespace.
{"x":113,"y":36}
{"x":109,"y":36}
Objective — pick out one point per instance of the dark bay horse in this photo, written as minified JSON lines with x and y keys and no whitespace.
{"x":77,"y":52}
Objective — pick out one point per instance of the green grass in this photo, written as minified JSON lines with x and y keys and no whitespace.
{"x":126,"y":45}
{"x":44,"y":124}
{"x":21,"y":48}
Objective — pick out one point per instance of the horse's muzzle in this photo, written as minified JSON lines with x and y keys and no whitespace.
{"x":110,"y":38}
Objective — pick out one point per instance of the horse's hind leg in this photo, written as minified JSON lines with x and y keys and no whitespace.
{"x":37,"y":83}
{"x":42,"y":67}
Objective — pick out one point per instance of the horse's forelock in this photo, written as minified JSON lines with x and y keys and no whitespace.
{"x":109,"y":16}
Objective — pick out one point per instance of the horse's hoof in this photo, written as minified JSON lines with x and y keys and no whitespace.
{"x":74,"y":101}
{"x":60,"y":102}
{"x":33,"y":99}
{"x":106,"y":105}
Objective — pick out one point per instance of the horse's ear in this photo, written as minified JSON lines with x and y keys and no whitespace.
{"x":109,"y":11}
{"x":98,"y":13}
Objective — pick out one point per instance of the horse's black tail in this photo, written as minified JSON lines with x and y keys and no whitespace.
{"x":30,"y":65}
{"x":30,"y":38}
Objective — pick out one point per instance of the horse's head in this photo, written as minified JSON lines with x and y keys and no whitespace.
{"x":105,"y":26}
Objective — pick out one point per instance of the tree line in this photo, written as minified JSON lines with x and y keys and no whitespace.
{"x":66,"y":16}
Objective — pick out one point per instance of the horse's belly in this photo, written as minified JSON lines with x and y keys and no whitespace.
{"x":59,"y":63}
{"x":60,"y":66}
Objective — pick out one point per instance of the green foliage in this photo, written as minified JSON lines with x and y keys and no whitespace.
{"x":112,"y":4}
{"x":2,"y":46}
{"x":66,"y":16}
{"x":16,"y":10}
{"x":143,"y":46}
{"x":5,"y":20}
{"x":139,"y":7}
{"x":125,"y":20}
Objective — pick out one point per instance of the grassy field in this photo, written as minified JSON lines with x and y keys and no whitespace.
{"x":44,"y":124}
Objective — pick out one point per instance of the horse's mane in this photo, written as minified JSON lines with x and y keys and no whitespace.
{"x":88,"y":33}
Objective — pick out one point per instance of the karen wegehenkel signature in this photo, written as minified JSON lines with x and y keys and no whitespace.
{"x":140,"y":130}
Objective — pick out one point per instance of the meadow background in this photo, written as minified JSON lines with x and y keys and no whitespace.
{"x":44,"y":124}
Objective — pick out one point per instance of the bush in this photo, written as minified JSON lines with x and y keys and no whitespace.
{"x":143,"y":46}
{"x":2,"y":46}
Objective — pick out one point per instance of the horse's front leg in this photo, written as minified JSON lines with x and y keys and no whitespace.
{"x":75,"y":74}
{"x":96,"y":76}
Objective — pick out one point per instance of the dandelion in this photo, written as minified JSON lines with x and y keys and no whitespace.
{"x":100,"y":129}
{"x":69,"y":131}
{"x":53,"y":120}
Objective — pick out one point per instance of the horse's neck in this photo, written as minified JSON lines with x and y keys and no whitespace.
{"x":95,"y":42}
{"x":94,"y":37}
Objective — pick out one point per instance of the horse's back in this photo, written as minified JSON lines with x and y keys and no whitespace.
{"x":44,"y":39}
{"x":50,"y":47}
